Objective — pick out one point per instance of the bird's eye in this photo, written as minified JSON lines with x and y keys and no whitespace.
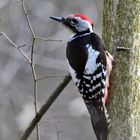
{"x":73,"y":21}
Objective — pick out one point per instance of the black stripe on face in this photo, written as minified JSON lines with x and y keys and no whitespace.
{"x":70,"y":23}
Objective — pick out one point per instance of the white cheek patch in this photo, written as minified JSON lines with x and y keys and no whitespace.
{"x":83,"y":26}
{"x":91,"y":65}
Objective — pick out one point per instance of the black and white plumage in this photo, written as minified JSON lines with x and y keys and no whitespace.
{"x":90,"y":66}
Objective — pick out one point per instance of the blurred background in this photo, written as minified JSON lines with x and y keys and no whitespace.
{"x":67,"y":119}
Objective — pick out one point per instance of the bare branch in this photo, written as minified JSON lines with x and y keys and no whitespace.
{"x":16,"y":46}
{"x":51,"y":76}
{"x":35,"y":102}
{"x":30,"y":26}
{"x":21,"y":46}
{"x":33,"y":72}
{"x":47,"y":39}
{"x":56,"y":127}
{"x":27,"y":18}
{"x":32,"y":50}
{"x":45,"y":107}
{"x":32,"y":63}
{"x":55,"y":94}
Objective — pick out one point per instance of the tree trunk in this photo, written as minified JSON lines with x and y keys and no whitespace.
{"x":121,"y":25}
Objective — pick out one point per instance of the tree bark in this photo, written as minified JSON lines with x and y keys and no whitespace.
{"x":121,"y":25}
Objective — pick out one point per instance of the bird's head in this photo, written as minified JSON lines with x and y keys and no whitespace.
{"x":76,"y":22}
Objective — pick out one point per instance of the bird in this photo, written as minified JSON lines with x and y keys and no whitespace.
{"x":90,"y":66}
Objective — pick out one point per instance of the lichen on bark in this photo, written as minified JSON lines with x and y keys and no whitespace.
{"x":121,"y":25}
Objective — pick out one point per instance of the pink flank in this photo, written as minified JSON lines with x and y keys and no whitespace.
{"x":106,"y":91}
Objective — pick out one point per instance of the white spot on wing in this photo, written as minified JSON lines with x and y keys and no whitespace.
{"x":96,"y":86}
{"x":98,"y":75}
{"x":91,"y":65}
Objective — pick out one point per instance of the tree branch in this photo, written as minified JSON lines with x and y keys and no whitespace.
{"x":50,"y":100}
{"x":47,"y":39}
{"x":27,"y":18}
{"x":58,"y":90}
{"x":45,"y":107}
{"x":32,"y":63}
{"x":30,"y":26}
{"x":16,"y":46}
{"x":51,"y":76}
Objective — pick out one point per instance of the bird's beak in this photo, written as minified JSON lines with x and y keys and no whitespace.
{"x":59,"y":19}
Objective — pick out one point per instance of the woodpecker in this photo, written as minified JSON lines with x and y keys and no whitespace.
{"x":90,"y":66}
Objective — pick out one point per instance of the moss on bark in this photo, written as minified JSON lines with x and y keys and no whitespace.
{"x":121,"y":24}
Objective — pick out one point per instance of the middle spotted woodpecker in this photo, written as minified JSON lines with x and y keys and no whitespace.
{"x":90,"y":66}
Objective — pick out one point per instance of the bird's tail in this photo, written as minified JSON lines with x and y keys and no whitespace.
{"x":99,"y":121}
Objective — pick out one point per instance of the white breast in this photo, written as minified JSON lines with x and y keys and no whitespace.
{"x":91,"y":65}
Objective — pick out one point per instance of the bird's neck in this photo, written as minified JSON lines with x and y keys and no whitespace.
{"x":79,"y":34}
{"x":84,"y":32}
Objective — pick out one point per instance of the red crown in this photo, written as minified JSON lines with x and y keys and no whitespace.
{"x":84,"y":18}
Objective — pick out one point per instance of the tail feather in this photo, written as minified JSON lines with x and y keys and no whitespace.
{"x":98,"y":119}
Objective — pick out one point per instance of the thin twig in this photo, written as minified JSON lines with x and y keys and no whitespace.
{"x":33,"y":72}
{"x":35,"y":97}
{"x":35,"y":85}
{"x":51,"y":76}
{"x":21,"y":46}
{"x":32,"y":50}
{"x":45,"y":107}
{"x":123,"y":49}
{"x":27,"y":18}
{"x":47,"y":39}
{"x":30,"y":26}
{"x":118,"y":48}
{"x":32,"y":64}
{"x":56,"y":127}
{"x":16,"y":46}
{"x":55,"y":94}
{"x":36,"y":108}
